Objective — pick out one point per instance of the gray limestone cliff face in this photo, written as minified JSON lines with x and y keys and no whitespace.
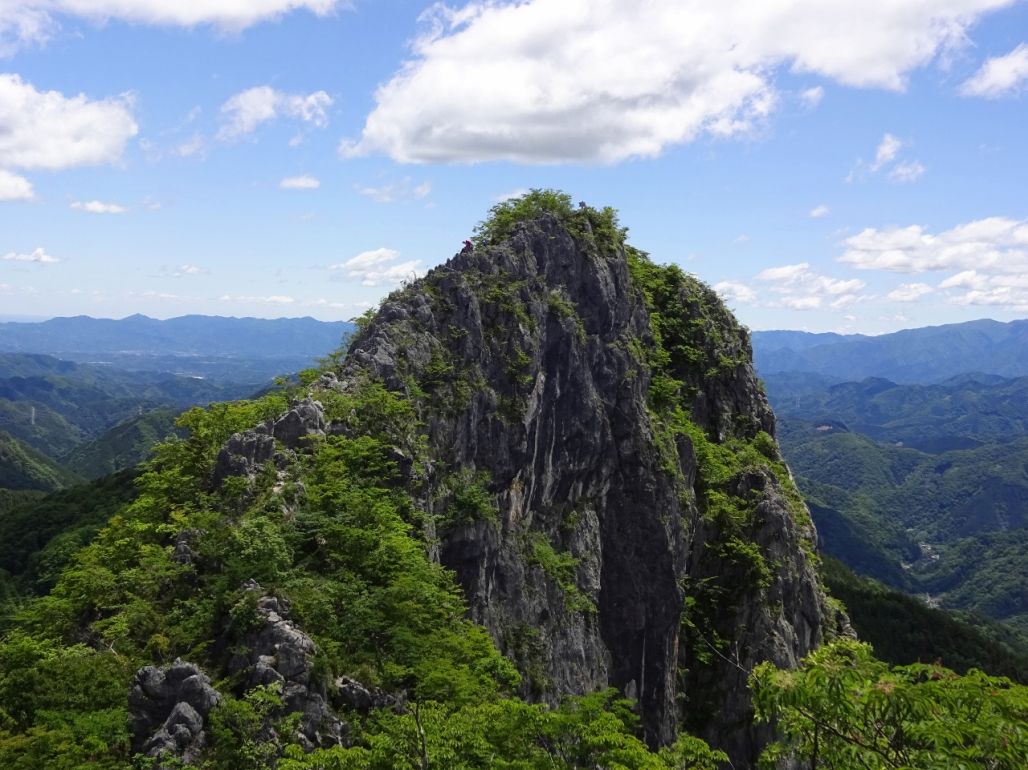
{"x":527,"y":362}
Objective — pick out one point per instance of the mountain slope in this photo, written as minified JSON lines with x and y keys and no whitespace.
{"x":56,"y":405}
{"x":23,"y":468}
{"x":125,"y":445}
{"x":952,"y":524}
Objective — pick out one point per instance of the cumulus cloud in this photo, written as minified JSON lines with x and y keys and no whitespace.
{"x":378,"y":266}
{"x":996,"y":244}
{"x":98,"y":207}
{"x":599,"y":81}
{"x":1006,"y":291}
{"x":987,"y":260}
{"x":819,"y":211}
{"x":304,"y":182}
{"x":39,"y":256}
{"x":24,"y":22}
{"x":909,"y":292}
{"x":15,"y":188}
{"x":243,"y":113}
{"x":392,"y":192}
{"x":1000,"y":76}
{"x":48,"y":130}
{"x":800,"y":288}
{"x":733,"y":291}
{"x":184,"y":271}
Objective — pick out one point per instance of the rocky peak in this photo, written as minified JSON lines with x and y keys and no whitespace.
{"x":641,"y":529}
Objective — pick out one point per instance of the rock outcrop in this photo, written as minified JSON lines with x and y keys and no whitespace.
{"x":245,"y":452}
{"x":168,"y":710}
{"x":279,"y":653}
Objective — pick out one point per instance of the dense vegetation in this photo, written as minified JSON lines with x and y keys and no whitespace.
{"x":903,"y":630}
{"x":844,"y":710}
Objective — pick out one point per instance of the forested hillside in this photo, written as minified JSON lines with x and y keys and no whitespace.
{"x":924,"y":487}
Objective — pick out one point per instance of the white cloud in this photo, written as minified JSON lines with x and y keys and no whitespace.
{"x":274,"y":299}
{"x":98,"y":207}
{"x":812,"y":97}
{"x":801,"y":303}
{"x":785,"y":273}
{"x":1006,"y":290}
{"x":995,"y":244}
{"x":520,"y":191}
{"x":39,"y":255}
{"x":887,"y":150}
{"x":183,"y":271}
{"x":304,"y":182}
{"x":322,"y":302}
{"x":46,"y":129}
{"x":819,"y":211}
{"x":15,"y":188}
{"x":378,"y":266}
{"x":907,"y":172}
{"x":886,"y":155}
{"x":23,"y":22}
{"x":243,"y":113}
{"x":733,"y":291}
{"x":800,"y":288}
{"x":966,"y":278}
{"x":1009,"y":292}
{"x":999,"y":76}
{"x":599,"y":81}
{"x":909,"y":292}
{"x":195,"y":145}
{"x":392,"y":192}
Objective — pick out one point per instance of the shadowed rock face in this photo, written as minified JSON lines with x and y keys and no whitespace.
{"x":525,"y":359}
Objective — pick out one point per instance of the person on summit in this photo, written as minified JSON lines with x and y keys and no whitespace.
{"x":468,"y":247}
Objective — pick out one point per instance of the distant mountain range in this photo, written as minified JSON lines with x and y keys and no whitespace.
{"x":240,"y":349}
{"x":927,"y":355}
{"x":962,"y":412}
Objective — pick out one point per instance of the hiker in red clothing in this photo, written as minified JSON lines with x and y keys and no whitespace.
{"x":468,"y":247}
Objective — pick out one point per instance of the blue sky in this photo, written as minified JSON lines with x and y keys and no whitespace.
{"x":826,"y":165}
